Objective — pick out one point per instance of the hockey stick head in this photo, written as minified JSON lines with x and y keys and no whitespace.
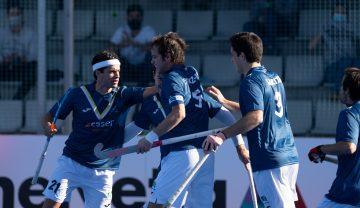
{"x":97,"y":151}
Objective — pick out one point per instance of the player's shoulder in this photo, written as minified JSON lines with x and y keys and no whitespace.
{"x":353,"y":110}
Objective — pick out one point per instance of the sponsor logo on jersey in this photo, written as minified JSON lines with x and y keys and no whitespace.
{"x":100,"y":124}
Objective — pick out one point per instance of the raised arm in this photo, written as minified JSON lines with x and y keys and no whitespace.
{"x":216,"y":94}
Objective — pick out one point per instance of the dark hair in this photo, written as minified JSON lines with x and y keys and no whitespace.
{"x":103,"y":56}
{"x":248,"y":43}
{"x":134,"y":8}
{"x":173,"y":44}
{"x":351,"y":82}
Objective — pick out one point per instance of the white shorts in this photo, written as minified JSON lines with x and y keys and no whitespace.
{"x":277,"y":187}
{"x":69,"y":175}
{"x":174,"y":169}
{"x":201,"y":188}
{"x":327,"y":203}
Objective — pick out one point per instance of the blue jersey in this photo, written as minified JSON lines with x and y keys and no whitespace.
{"x":346,"y":186}
{"x":96,"y":119}
{"x":271,"y":143}
{"x":198,"y":105}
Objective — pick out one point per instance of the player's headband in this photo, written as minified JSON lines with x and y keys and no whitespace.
{"x":105,"y":64}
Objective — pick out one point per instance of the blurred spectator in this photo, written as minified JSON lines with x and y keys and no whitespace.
{"x":272,"y":18}
{"x":133,"y":43}
{"x":18,"y":52}
{"x":340,"y":50}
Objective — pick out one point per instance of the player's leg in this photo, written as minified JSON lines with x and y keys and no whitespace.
{"x":97,"y":187}
{"x":174,"y":169}
{"x":63,"y":181}
{"x":201,"y":188}
{"x":276,"y":187}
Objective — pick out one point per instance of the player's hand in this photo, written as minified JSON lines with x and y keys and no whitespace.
{"x":243,"y":154}
{"x":316,"y":155}
{"x":216,"y":93}
{"x":212,"y":142}
{"x":143,"y":146}
{"x":50,"y":129}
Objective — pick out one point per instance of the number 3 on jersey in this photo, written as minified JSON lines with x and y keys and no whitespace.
{"x":197,"y":96}
{"x":279,"y":106}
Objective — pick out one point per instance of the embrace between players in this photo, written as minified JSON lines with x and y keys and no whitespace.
{"x":178,"y":105}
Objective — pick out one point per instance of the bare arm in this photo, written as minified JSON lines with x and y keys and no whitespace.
{"x":173,"y":119}
{"x":339,"y":148}
{"x":217,"y":95}
{"x":245,"y":124}
{"x":149,"y":91}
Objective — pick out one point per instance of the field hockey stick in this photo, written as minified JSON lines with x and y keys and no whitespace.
{"x":331,"y":160}
{"x":252,"y":185}
{"x":104,"y":154}
{"x":182,"y":186}
{"x":43,"y":153}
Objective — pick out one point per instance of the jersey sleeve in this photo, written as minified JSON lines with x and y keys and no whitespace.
{"x":251,"y":96}
{"x":213,"y":105}
{"x":142,"y":119}
{"x":173,"y":90}
{"x":66,"y":104}
{"x":132,"y":95}
{"x":347,"y":129}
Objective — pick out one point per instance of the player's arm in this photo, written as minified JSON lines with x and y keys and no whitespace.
{"x":216,"y":93}
{"x":176,"y":115}
{"x":251,"y":120}
{"x":149,"y":91}
{"x":46,"y":125}
{"x":347,"y":133}
{"x":225,"y":116}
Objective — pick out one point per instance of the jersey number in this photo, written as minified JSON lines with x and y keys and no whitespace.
{"x":197,"y":96}
{"x":54,"y":186}
{"x":279,"y":106}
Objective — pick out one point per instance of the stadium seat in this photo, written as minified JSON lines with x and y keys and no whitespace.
{"x":273,"y":63}
{"x":83,"y":24}
{"x":300,"y":115}
{"x":303,"y":71}
{"x":107,"y":22}
{"x":193,"y":60}
{"x":161,"y":21}
{"x":327,"y":113}
{"x":11,"y":115}
{"x":228,"y":22}
{"x":219,"y":71}
{"x":312,"y":21}
{"x":354,"y":18}
{"x":195,"y":25}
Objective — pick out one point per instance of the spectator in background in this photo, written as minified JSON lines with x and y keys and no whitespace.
{"x":18,"y":54}
{"x":272,"y":18}
{"x":340,"y":51}
{"x":133,"y":43}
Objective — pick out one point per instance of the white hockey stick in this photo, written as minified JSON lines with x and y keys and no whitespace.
{"x":182,"y":186}
{"x":252,"y":185}
{"x":103,"y":154}
{"x":43,"y":153}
